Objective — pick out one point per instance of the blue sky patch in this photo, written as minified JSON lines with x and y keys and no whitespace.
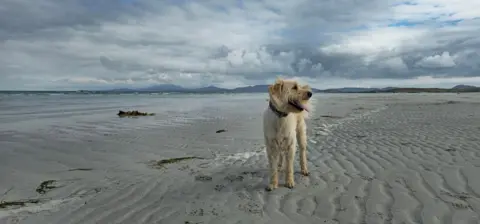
{"x":403,"y":23}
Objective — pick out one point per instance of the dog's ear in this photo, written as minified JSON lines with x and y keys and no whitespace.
{"x":276,"y":87}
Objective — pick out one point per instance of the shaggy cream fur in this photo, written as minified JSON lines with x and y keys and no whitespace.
{"x":284,"y":126}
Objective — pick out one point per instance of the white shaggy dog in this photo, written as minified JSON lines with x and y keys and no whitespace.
{"x":284,"y":126}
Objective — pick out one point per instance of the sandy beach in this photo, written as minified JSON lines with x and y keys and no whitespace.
{"x":373,"y":158}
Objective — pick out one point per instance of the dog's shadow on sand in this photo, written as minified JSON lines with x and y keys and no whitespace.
{"x":239,"y":179}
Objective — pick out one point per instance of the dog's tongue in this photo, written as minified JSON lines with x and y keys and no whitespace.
{"x":303,"y":107}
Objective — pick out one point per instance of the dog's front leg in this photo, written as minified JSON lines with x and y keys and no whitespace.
{"x":273,"y":157}
{"x":302,"y":143}
{"x":290,"y":157}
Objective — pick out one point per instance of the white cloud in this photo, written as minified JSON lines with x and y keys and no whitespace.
{"x":374,"y":41}
{"x":437,"y":61}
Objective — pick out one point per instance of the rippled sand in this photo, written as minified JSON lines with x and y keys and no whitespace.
{"x":374,"y":158}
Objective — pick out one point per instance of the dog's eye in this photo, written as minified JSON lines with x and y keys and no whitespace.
{"x":295,"y":87}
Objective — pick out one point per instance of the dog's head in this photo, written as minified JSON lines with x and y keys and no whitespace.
{"x":289,"y":96}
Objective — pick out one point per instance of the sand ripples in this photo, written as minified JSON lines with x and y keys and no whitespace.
{"x":402,"y":163}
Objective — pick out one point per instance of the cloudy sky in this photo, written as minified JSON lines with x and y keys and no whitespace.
{"x":92,"y":44}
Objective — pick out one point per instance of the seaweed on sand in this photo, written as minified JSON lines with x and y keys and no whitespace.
{"x":133,"y":113}
{"x":161,"y":163}
{"x":331,"y":116}
{"x":19,"y":203}
{"x":46,"y":186}
{"x":81,"y":169}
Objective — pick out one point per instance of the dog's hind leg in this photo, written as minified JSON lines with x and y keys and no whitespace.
{"x":302,"y":143}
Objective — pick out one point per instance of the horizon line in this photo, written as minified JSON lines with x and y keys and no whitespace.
{"x":236,"y":88}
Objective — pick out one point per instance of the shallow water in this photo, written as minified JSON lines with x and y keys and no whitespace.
{"x":33,"y":112}
{"x":41,"y":135}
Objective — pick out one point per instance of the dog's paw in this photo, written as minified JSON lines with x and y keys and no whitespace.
{"x":305,"y":173}
{"x":290,"y":184}
{"x":271,"y":187}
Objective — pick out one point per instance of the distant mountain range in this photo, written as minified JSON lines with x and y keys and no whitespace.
{"x":455,"y":89}
{"x":178,"y":89}
{"x":167,"y":88}
{"x":264,"y":88}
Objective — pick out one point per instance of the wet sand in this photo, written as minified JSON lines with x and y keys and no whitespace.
{"x":373,"y":158}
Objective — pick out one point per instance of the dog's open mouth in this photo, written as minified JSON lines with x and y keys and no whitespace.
{"x":298,"y":105}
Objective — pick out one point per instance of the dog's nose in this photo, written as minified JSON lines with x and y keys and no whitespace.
{"x":309,"y":94}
